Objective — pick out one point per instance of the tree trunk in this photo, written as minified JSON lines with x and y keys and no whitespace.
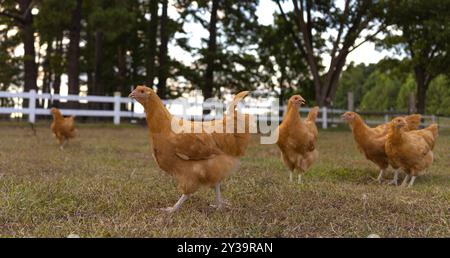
{"x":99,"y":88}
{"x":163,"y":68}
{"x":57,"y":68}
{"x":46,"y":67}
{"x":30,"y":68}
{"x":122,"y":67}
{"x":332,"y":81}
{"x":98,"y":84}
{"x":422,"y":87}
{"x":73,"y":54}
{"x":152,"y":29}
{"x":211,"y":53}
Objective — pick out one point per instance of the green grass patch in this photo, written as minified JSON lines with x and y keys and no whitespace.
{"x":106,"y":184}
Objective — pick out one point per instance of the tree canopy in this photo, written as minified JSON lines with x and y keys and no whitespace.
{"x":100,"y":47}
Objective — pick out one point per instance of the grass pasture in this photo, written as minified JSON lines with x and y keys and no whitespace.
{"x":105,"y":184}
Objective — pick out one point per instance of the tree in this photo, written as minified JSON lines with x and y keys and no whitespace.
{"x":226,"y":59}
{"x":312,"y":19}
{"x":151,"y":45}
{"x":10,"y":72}
{"x":383,"y":92}
{"x":352,"y":80}
{"x":424,"y":37}
{"x":211,"y":52}
{"x":163,"y":56}
{"x":439,"y":96}
{"x":73,"y":53}
{"x":23,"y":18}
{"x":53,"y":19}
{"x":281,"y":70}
{"x":116,"y":26}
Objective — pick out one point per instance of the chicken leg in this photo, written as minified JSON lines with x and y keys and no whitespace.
{"x":220,"y":203}
{"x":411,"y":182}
{"x":395,"y":180}
{"x":405,"y":181}
{"x":63,"y":144}
{"x":177,"y":205}
{"x":380,"y":176}
{"x":299,"y":180}
{"x":290,"y":176}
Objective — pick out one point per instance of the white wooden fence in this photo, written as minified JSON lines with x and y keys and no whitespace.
{"x":326,"y":116}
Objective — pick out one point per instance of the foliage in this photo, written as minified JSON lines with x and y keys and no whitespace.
{"x":353,"y":80}
{"x":382,"y":93}
{"x":439,"y":96}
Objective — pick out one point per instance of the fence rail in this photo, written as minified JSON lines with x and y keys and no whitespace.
{"x":326,"y":116}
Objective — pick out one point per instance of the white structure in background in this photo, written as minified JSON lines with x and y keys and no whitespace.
{"x":262,"y":111}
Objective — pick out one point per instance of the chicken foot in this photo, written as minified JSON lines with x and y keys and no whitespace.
{"x":177,"y":205}
{"x":62,"y":144}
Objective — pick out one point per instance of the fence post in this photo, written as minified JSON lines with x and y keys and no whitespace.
{"x":117,"y":96}
{"x":32,"y":106}
{"x":324,"y":118}
{"x":386,"y":118}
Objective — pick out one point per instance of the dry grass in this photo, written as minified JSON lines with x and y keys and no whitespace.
{"x":106,"y":184}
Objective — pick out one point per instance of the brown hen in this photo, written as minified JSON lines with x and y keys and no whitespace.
{"x":371,"y":141}
{"x":194,"y":159}
{"x":63,"y":128}
{"x":410,"y":150}
{"x":297,"y":138}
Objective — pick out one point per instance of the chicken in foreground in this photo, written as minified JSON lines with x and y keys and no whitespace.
{"x":410,"y":150}
{"x":371,"y":141}
{"x":193,"y":159}
{"x":297,"y":138}
{"x":63,"y":128}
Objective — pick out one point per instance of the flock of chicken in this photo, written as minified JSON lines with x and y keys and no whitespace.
{"x":205,"y":158}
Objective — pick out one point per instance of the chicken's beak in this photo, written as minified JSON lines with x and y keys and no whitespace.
{"x":302,"y":101}
{"x":131,"y":95}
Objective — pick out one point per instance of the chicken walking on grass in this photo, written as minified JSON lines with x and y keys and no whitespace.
{"x":297,"y":138}
{"x":410,"y":150}
{"x":194,"y":159}
{"x":371,"y":141}
{"x":63,"y":128}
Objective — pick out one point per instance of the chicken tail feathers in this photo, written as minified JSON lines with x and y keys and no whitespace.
{"x":413,"y":121}
{"x":241,"y":95}
{"x":434,"y":129}
{"x":312,"y":115}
